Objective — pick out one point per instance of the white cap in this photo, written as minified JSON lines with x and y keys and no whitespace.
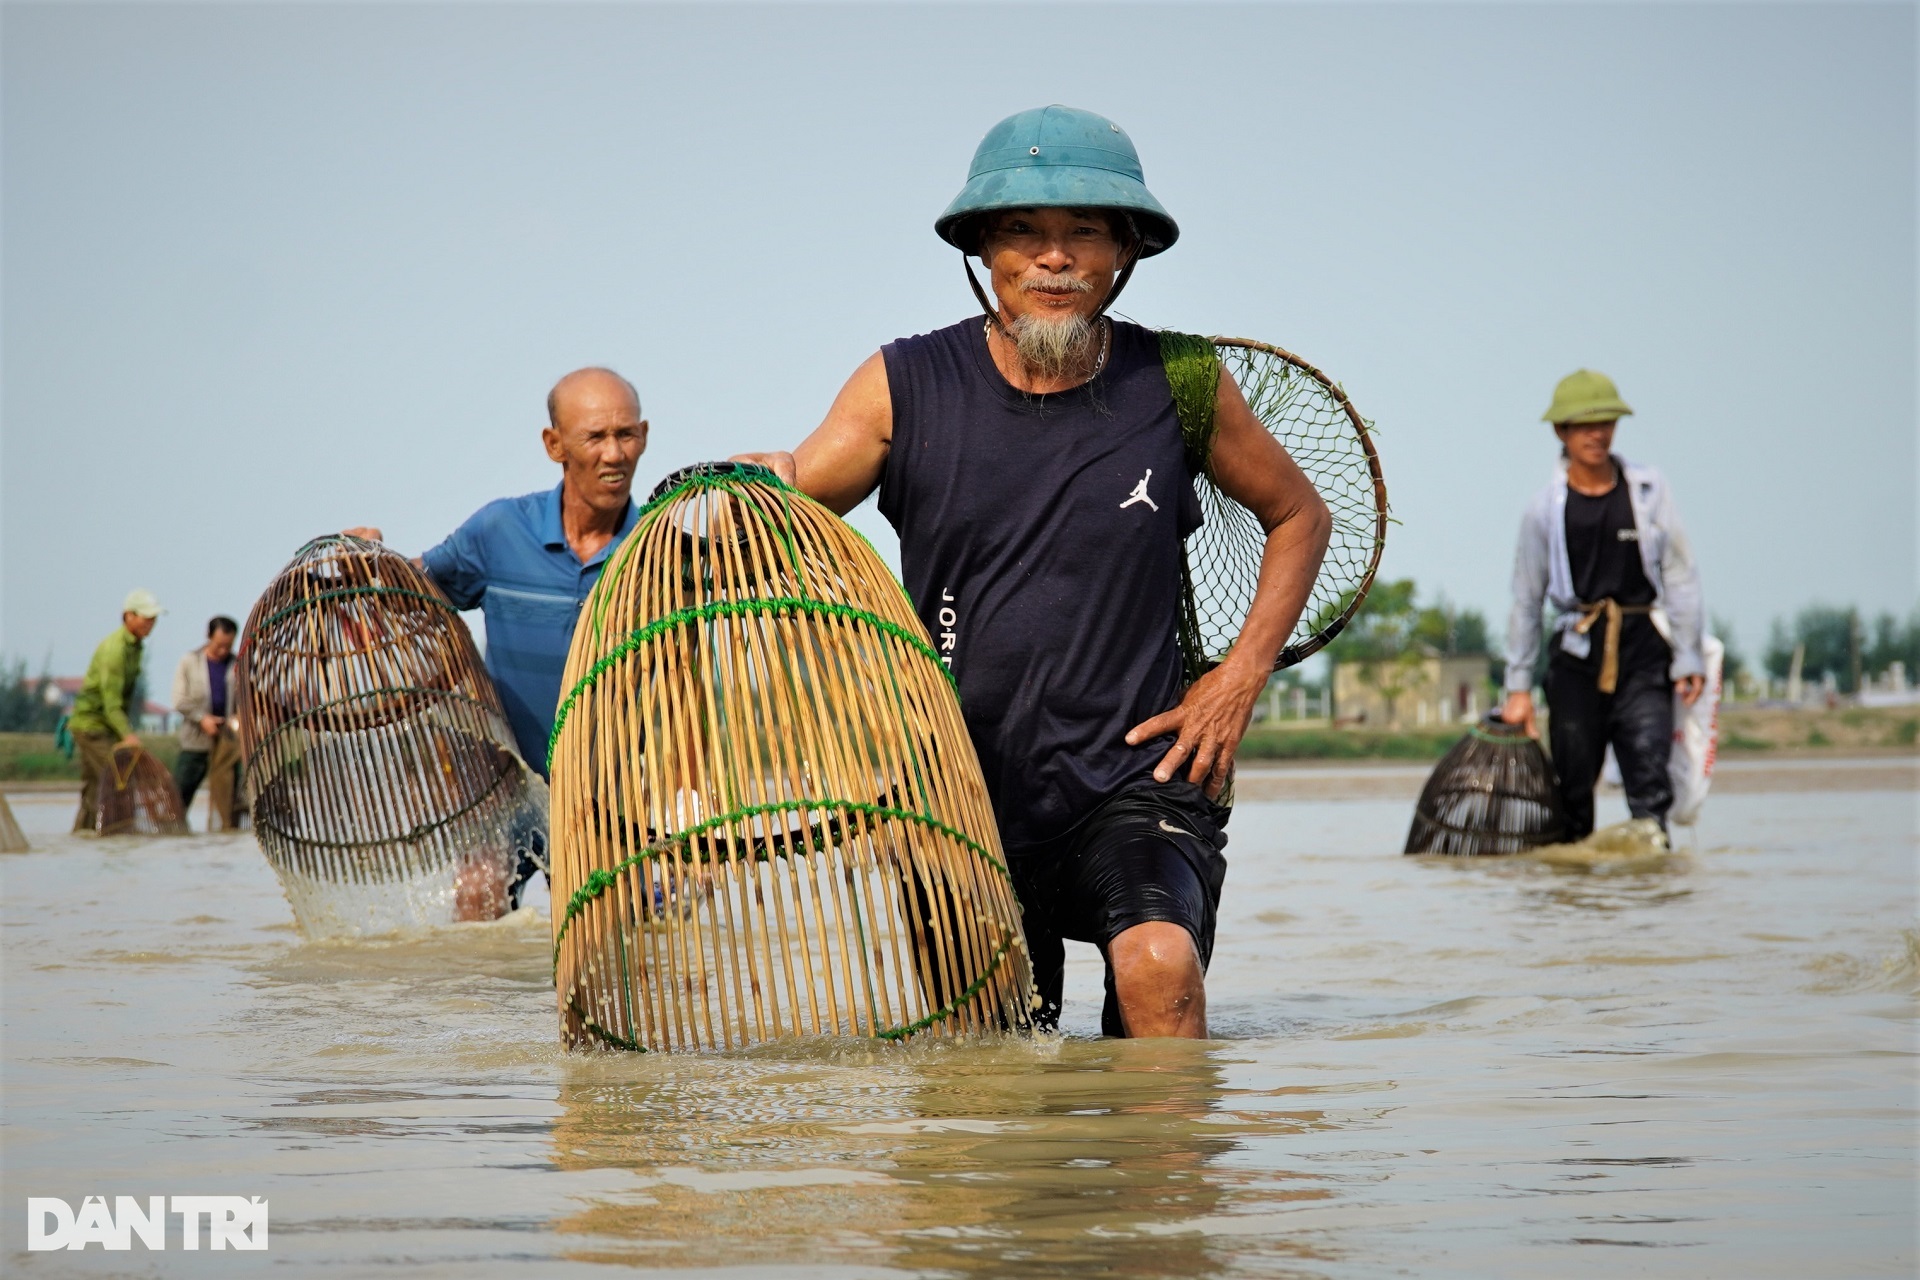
{"x":142,"y":602}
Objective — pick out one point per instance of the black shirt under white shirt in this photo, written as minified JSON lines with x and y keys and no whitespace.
{"x":1603,"y":552}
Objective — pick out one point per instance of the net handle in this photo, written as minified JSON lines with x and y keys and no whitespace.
{"x":1300,"y":651}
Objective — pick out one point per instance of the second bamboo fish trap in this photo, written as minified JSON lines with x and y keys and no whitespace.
{"x":136,"y":796}
{"x":384,"y":788}
{"x":1492,"y":793}
{"x":768,"y":817}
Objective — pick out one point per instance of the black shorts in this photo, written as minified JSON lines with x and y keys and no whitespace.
{"x":1152,"y":853}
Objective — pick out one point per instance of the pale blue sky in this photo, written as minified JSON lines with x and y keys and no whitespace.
{"x":270,"y":270}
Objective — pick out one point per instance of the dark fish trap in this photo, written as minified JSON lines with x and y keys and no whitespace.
{"x":769,"y":820}
{"x":1493,"y":792}
{"x":136,"y":797}
{"x":385,"y":791}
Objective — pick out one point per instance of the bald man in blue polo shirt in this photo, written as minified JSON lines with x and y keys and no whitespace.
{"x":529,"y":562}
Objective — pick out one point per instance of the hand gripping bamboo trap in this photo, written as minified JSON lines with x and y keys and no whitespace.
{"x":136,"y":796}
{"x":384,"y":787}
{"x":1493,"y":792}
{"x":769,"y":820}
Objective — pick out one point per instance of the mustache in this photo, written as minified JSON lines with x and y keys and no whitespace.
{"x":1055,"y":284}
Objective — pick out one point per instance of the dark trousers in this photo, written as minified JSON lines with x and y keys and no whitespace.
{"x":191,"y":768}
{"x":1637,"y":718}
{"x":96,"y":768}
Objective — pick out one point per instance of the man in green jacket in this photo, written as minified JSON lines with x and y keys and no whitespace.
{"x":102,"y":717}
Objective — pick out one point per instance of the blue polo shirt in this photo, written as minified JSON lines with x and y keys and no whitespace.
{"x":511,"y":560}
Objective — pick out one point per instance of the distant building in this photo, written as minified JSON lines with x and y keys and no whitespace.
{"x":63,"y":690}
{"x":1408,"y":692}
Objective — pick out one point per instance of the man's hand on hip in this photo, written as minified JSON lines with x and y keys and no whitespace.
{"x":1210,"y":722}
{"x":1689,"y":688}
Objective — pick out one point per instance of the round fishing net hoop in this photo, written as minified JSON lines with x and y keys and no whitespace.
{"x":1326,"y":436}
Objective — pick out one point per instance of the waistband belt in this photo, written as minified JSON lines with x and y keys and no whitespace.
{"x":1613,"y":611}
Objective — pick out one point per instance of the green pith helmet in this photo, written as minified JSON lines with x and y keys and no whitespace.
{"x":1585,"y":396}
{"x":1057,"y":158}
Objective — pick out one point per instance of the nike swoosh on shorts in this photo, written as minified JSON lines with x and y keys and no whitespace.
{"x":1167,"y":826}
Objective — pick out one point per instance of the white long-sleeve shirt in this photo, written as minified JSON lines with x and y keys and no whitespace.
{"x":1542,"y":574}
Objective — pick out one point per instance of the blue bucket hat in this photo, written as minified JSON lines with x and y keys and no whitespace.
{"x":1057,"y":158}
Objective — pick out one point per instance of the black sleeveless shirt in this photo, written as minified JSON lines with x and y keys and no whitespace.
{"x":1040,"y":540}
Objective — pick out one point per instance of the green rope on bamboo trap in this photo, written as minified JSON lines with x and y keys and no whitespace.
{"x":599,"y":880}
{"x":728,"y":482}
{"x":762,"y":606}
{"x":295,"y":721}
{"x":342,"y":592}
{"x":419,"y":832}
{"x":901,"y":1032}
{"x":1193,"y":375}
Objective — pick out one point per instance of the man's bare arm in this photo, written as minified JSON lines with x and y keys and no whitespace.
{"x":1252,"y":468}
{"x":839,"y":464}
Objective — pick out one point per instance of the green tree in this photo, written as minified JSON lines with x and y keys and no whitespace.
{"x":1833,"y":639}
{"x":1894,"y":641}
{"x":23,"y":700}
{"x":1734,"y":664}
{"x":1450,"y":632}
{"x":1392,"y":636}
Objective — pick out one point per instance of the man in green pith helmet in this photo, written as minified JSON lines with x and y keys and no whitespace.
{"x":1033,"y":462}
{"x":1603,"y":545}
{"x":102,"y":717}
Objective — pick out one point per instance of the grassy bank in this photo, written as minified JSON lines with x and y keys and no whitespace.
{"x":1321,"y":743}
{"x":1855,"y":728}
{"x":32,"y":757}
{"x":1742,"y":729}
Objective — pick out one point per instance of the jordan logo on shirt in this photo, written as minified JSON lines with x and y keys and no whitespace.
{"x":1140,"y":493}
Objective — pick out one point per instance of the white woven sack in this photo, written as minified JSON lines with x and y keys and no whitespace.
{"x":1696,"y":740}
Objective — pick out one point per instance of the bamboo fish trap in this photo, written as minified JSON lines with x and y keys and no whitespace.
{"x":769,"y":820}
{"x":136,"y":797}
{"x":1492,"y":793}
{"x":384,"y":788}
{"x":12,"y":840}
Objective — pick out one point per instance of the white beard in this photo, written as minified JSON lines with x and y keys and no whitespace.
{"x":1053,"y":348}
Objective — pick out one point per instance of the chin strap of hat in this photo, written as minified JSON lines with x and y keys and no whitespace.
{"x":1126,"y":274}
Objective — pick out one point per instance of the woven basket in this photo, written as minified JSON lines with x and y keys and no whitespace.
{"x":768,"y":818}
{"x":136,"y":796}
{"x":379,"y":765}
{"x":1492,"y":793}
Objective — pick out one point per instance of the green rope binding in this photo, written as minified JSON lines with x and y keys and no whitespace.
{"x":764,"y":606}
{"x":309,"y":601}
{"x":1193,"y":375}
{"x":599,"y":880}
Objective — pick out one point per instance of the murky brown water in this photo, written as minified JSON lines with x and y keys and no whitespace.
{"x":1434,"y":1069}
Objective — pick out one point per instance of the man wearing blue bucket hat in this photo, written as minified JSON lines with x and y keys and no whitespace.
{"x":1034,"y":466}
